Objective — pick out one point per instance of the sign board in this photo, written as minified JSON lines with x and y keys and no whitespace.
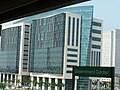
{"x":94,"y":72}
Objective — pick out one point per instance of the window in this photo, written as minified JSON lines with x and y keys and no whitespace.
{"x":99,"y":58}
{"x":69,"y":24}
{"x":70,"y":66}
{"x":44,"y":21}
{"x":71,"y":60}
{"x":96,"y":39}
{"x":72,"y":49}
{"x":72,"y":55}
{"x":96,"y":46}
{"x":27,"y":28}
{"x":96,"y":31}
{"x":77,"y":33}
{"x":96,"y":24}
{"x":73,"y":30}
{"x":92,"y":58}
{"x":69,"y":71}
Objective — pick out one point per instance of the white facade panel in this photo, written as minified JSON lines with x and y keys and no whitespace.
{"x":72,"y":45}
{"x":111,"y":49}
{"x":96,"y":41}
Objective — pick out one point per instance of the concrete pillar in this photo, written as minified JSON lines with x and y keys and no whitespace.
{"x":37,"y":86}
{"x":43,"y":87}
{"x":31,"y":81}
{"x":15,"y":80}
{"x":98,"y":84}
{"x":3,"y":77}
{"x":63,"y":81}
{"x":49,"y":88}
{"x":7,"y":77}
{"x":0,"y":77}
{"x":75,"y":88}
{"x":56,"y":81}
{"x":20,"y":79}
{"x":11,"y":78}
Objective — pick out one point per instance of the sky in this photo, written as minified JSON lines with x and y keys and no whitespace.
{"x":107,"y":10}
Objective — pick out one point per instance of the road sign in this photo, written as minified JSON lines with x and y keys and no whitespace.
{"x":94,"y":72}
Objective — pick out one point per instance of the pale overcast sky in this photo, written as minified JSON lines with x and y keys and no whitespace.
{"x":108,"y":11}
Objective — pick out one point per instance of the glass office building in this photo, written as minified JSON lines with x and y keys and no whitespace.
{"x":48,"y":39}
{"x":86,"y":34}
{"x":87,"y":17}
{"x":47,"y":45}
{"x":55,"y":47}
{"x":14,"y":51}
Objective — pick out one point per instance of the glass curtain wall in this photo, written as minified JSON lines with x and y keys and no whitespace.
{"x":10,"y":49}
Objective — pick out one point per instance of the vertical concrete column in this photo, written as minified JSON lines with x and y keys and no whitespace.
{"x":0,"y":77}
{"x":49,"y":88}
{"x":15,"y":80}
{"x":37,"y":86}
{"x":7,"y":77}
{"x":56,"y":81}
{"x":31,"y":81}
{"x":63,"y":81}
{"x":20,"y":79}
{"x":11,"y":78}
{"x":3,"y":77}
{"x":98,"y":84}
{"x":43,"y":87}
{"x":75,"y":88}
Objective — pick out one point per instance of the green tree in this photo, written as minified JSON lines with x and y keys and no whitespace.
{"x":46,"y":84}
{"x":34,"y":83}
{"x":61,"y":85}
{"x":27,"y":81}
{"x":40,"y":83}
{"x":18,"y":83}
{"x":3,"y":86}
{"x":9,"y":83}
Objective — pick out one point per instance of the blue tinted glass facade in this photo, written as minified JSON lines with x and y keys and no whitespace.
{"x":47,"y":41}
{"x":10,"y":49}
